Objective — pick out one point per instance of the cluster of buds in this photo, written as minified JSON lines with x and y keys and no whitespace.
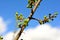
{"x":21,"y":20}
{"x":47,"y":19}
{"x":31,"y":3}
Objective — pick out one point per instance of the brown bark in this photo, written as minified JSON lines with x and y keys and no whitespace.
{"x":19,"y":34}
{"x":31,"y":14}
{"x":34,"y":9}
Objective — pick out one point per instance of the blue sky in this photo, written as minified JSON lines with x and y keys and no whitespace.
{"x":9,"y":7}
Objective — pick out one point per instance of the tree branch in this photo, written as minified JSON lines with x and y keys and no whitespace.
{"x":35,"y":19}
{"x":34,"y":9}
{"x":30,"y":16}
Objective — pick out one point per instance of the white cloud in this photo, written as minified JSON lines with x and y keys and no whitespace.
{"x":2,"y":25}
{"x":9,"y":36}
{"x":41,"y":32}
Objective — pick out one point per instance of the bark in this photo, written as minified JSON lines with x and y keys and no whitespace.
{"x":19,"y":34}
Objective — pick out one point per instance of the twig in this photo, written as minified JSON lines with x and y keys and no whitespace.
{"x":30,"y":16}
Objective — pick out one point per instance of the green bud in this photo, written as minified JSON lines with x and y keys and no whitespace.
{"x":56,"y":13}
{"x":45,"y":16}
{"x":16,"y":13}
{"x":41,"y":22}
{"x":26,"y":21}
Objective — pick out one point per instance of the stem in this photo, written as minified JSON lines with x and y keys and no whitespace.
{"x":35,"y":19}
{"x":34,"y":9}
{"x":30,"y":16}
{"x":19,"y":34}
